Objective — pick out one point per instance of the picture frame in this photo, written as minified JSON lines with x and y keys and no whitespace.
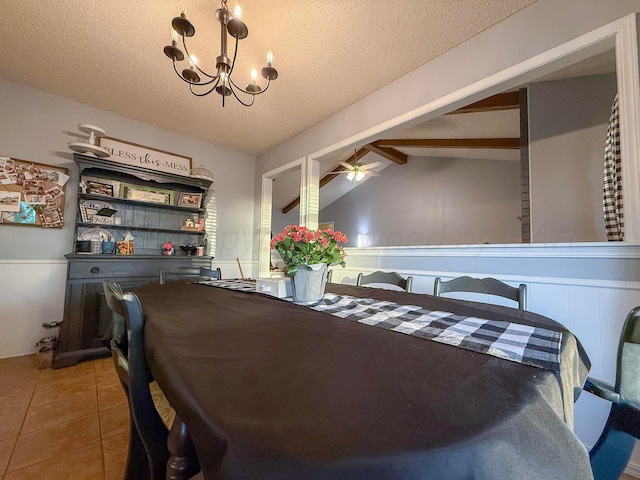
{"x":98,"y":188}
{"x":188,"y":199}
{"x":87,"y":213}
{"x":51,"y":217}
{"x":143,"y":193}
{"x":325,"y":226}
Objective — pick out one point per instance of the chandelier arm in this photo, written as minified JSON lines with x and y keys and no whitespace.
{"x":204,"y":93}
{"x":191,"y":83}
{"x":250,"y":93}
{"x":184,"y":44}
{"x":238,"y":98}
{"x":265,"y":87}
{"x":233,"y":62}
{"x":175,"y":69}
{"x":236,"y":85}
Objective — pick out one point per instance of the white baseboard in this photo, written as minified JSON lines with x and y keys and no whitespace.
{"x":12,"y":355}
{"x":633,"y":469}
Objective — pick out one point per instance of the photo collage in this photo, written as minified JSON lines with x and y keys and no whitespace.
{"x":31,"y":193}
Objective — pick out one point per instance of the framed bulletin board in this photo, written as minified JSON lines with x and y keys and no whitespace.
{"x":32,"y":193}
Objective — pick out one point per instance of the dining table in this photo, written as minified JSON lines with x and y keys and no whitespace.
{"x":266,"y":389}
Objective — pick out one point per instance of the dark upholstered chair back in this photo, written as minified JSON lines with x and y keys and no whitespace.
{"x":612,"y":451}
{"x":489,"y":286}
{"x":148,"y":452}
{"x":194,"y":274}
{"x":389,"y":278}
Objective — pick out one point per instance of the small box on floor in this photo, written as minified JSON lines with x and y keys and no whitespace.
{"x":276,"y":287}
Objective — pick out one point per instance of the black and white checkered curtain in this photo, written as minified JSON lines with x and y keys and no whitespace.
{"x":612,"y":199}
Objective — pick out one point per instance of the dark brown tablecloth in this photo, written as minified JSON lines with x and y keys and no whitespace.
{"x":273,"y":390}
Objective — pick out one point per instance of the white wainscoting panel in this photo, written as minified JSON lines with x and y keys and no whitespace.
{"x":31,"y":293}
{"x":589,"y":288}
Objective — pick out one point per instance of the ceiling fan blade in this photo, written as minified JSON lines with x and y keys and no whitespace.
{"x":335,"y":173}
{"x":374,"y":174}
{"x":371,"y":165}
{"x":347,"y":165}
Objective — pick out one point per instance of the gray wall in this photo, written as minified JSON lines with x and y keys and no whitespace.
{"x":567,"y":130}
{"x":433,"y":201}
{"x":37,"y":126}
{"x":531,"y":31}
{"x":280,"y":220}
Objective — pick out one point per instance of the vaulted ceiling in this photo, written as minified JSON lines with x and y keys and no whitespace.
{"x":485,"y":130}
{"x":329,"y":54}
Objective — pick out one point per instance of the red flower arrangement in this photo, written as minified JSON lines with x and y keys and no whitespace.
{"x":301,"y":246}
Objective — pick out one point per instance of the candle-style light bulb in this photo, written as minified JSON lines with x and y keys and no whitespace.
{"x":174,"y":35}
{"x":223,"y":77}
{"x":237,"y":12}
{"x":193,"y":61}
{"x":254,"y":76}
{"x":269,"y":58}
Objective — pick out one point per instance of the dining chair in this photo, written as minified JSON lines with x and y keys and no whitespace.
{"x":150,"y":415}
{"x":490,"y":286}
{"x":389,"y":278}
{"x":148,"y":452}
{"x":612,"y":451}
{"x":189,"y":273}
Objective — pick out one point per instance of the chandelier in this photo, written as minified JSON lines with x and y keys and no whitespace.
{"x":202,"y":83}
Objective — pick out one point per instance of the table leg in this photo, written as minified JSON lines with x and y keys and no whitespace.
{"x":183,"y":462}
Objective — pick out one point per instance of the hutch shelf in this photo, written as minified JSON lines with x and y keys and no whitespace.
{"x":85,"y":331}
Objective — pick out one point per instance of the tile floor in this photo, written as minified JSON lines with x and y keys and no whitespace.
{"x":67,"y":424}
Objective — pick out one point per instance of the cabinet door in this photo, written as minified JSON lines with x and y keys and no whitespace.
{"x":96,"y":330}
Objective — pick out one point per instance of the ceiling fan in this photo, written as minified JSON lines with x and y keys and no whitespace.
{"x":356,"y":170}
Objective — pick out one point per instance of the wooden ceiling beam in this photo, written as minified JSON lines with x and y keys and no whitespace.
{"x":501,"y":101}
{"x":328,"y":177}
{"x":291,"y":205}
{"x":484,"y":143}
{"x":382,"y":148}
{"x":389,"y":153}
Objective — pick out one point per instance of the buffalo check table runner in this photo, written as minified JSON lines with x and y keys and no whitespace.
{"x":526,"y":344}
{"x":232,"y":284}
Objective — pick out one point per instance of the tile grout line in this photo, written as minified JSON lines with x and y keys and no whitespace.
{"x":15,"y":443}
{"x":20,"y":433}
{"x":49,"y":459}
{"x":99,"y":443}
{"x":104,"y":463}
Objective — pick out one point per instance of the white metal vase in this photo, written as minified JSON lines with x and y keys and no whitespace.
{"x":307,"y":285}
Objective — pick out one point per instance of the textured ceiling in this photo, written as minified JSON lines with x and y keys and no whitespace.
{"x":329,"y":54}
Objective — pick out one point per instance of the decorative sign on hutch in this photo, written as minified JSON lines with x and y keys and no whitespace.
{"x":147,"y":157}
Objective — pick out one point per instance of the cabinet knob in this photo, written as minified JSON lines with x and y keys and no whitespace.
{"x":95,"y":270}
